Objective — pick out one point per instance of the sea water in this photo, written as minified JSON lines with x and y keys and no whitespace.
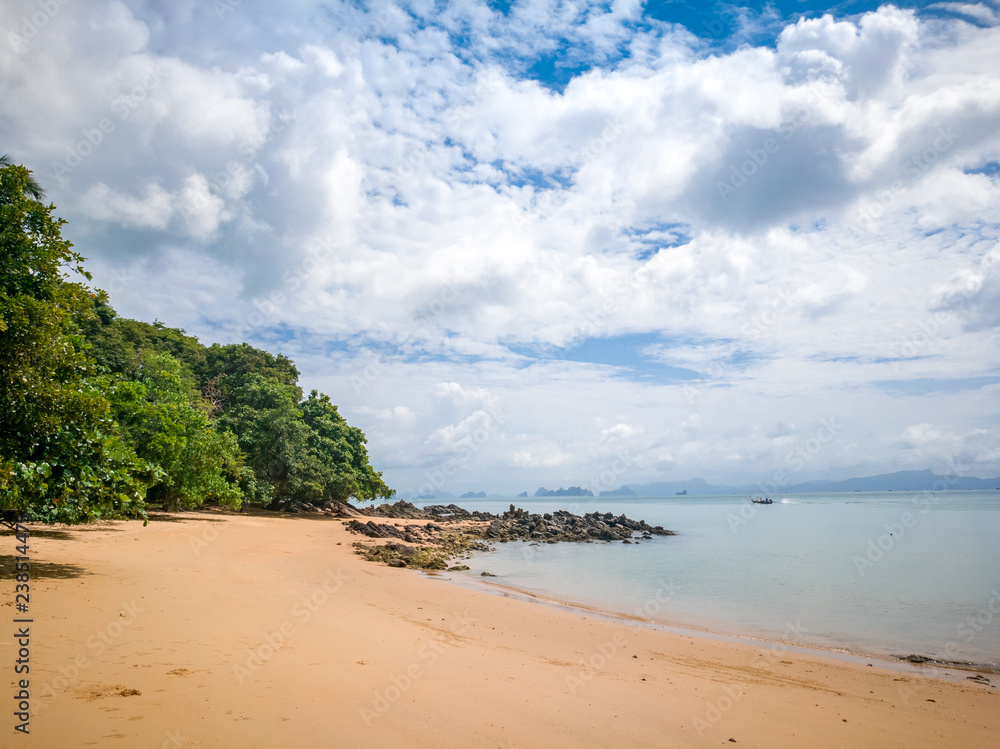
{"x":889,"y":573}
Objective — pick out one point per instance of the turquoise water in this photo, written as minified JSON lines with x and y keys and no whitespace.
{"x":815,"y":569}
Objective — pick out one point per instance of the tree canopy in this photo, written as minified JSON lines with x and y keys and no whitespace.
{"x":102,"y":414}
{"x":62,"y":457}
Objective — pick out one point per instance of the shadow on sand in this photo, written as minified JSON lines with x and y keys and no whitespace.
{"x":42,"y":570}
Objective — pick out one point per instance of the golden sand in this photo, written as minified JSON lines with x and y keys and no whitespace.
{"x":211,"y":630}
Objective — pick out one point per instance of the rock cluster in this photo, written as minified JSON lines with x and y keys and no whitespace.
{"x":454,"y":512}
{"x":518,"y":525}
{"x":327,"y":507}
{"x":414,"y":534}
{"x":402,"y":510}
{"x":515,"y":524}
{"x":433,"y":544}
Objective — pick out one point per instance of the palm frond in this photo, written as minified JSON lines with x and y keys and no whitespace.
{"x":32,"y":189}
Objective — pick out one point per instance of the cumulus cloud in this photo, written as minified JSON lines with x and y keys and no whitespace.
{"x":787,"y":225}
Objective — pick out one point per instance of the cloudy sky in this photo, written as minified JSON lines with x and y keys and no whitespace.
{"x":548,"y":242}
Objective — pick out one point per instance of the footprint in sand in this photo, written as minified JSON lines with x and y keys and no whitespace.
{"x":100,"y":691}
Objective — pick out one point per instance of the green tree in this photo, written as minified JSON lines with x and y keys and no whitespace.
{"x":340,"y":450}
{"x":118,"y":344}
{"x":298,"y":451}
{"x":62,"y":458}
{"x":168,"y":430}
{"x":264,"y":415}
{"x":225,"y":370}
{"x":32,"y":189}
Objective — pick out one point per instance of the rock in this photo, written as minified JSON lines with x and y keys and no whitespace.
{"x":435,"y":542}
{"x":458,"y":568}
{"x":342,"y":509}
{"x":486,"y":574}
{"x":376,"y":530}
{"x":397,"y":563}
{"x":402,"y":510}
{"x":517,"y":524}
{"x":449,"y":512}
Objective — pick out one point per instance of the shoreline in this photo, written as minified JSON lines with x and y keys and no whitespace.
{"x":930,"y":669}
{"x":211,"y":629}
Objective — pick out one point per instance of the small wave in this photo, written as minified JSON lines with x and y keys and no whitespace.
{"x":788,"y":502}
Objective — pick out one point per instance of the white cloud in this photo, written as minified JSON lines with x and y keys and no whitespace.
{"x":979,"y":11}
{"x":794,"y":223}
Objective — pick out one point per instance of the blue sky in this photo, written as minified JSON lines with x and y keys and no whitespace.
{"x":515,"y":241}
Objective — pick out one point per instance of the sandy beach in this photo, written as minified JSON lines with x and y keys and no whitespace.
{"x":214,"y":630}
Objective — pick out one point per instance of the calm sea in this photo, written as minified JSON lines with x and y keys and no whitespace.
{"x":873,"y":573}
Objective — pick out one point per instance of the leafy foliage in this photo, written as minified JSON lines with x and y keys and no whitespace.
{"x":61,"y":455}
{"x":102,"y":413}
{"x":340,"y":449}
{"x":199,"y":463}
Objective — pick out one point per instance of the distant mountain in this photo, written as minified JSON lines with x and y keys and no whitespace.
{"x":573,"y":491}
{"x":622,"y":491}
{"x":695,"y":487}
{"x":901,"y":481}
{"x":436,"y":494}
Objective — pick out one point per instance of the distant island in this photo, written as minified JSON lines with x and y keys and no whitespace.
{"x":900,"y":481}
{"x":622,"y":491}
{"x":573,"y":491}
